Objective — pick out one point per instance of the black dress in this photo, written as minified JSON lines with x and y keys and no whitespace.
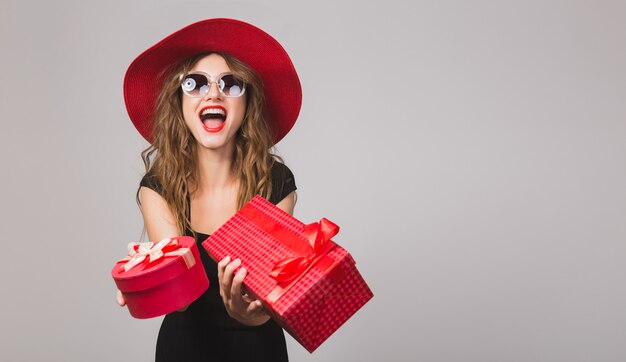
{"x":205,"y":331}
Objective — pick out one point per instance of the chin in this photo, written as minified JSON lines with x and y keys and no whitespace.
{"x":213,"y":142}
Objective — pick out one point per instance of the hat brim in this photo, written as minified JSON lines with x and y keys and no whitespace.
{"x":245,"y":42}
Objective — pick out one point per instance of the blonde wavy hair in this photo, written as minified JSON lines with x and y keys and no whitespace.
{"x":172,"y":158}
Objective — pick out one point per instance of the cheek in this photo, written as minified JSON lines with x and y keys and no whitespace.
{"x":240,"y":107}
{"x":188,"y":107}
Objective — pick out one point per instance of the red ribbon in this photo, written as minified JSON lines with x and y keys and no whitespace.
{"x":311,"y":248}
{"x":151,"y":252}
{"x":318,"y":235}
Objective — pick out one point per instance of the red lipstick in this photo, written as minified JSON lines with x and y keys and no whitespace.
{"x":214,"y":120}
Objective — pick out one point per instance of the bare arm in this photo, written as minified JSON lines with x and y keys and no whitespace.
{"x":288,"y":204}
{"x":158,"y":220}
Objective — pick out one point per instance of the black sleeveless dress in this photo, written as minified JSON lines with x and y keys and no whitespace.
{"x":205,"y":331}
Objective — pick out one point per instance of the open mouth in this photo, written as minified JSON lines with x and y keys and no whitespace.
{"x":213,"y":118}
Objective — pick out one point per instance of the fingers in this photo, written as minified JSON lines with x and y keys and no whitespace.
{"x":238,"y":304}
{"x":226,"y":280}
{"x":220,"y":271}
{"x":120,"y":298}
{"x":236,"y":301}
{"x":246,"y":298}
{"x":235,"y":288}
{"x":255,"y":307}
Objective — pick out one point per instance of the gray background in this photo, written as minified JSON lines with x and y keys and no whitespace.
{"x":473,"y":153}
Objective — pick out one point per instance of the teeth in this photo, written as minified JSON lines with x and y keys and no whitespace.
{"x":214,"y":111}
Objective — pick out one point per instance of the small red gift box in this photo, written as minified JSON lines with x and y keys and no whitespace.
{"x":307,"y":283}
{"x":160,"y":278}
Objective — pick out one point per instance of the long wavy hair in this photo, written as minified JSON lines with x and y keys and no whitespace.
{"x":171,"y":159}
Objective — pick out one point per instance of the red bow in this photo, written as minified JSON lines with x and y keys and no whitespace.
{"x":318,"y":235}
{"x":138,"y":252}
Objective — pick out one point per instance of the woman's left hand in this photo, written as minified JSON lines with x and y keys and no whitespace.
{"x":238,"y":306}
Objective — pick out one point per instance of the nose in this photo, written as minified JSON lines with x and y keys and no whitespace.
{"x":213,"y":92}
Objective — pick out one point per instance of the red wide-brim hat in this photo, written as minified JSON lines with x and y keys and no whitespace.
{"x":283,"y":93}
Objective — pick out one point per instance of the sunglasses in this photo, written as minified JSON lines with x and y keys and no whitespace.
{"x":197,"y":84}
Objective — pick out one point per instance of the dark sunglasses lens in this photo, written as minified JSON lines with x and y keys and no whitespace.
{"x":231,"y":85}
{"x":195,"y":85}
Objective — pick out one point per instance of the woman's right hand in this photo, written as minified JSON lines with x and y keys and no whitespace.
{"x":120,"y":298}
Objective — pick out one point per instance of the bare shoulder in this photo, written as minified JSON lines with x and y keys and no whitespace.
{"x":288,"y":203}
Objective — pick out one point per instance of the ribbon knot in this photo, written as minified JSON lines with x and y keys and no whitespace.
{"x":318,"y":235}
{"x":138,"y":252}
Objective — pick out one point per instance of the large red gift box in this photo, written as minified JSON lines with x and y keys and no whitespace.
{"x":160,"y":278}
{"x":307,"y":283}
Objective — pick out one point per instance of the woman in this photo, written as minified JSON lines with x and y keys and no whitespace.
{"x":212,"y":99}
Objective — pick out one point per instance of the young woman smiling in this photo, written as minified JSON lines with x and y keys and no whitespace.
{"x":212,"y":99}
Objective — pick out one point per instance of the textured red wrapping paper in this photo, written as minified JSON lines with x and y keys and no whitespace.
{"x":314,"y":304}
{"x":165,"y":285}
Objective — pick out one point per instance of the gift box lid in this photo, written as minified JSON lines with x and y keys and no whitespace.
{"x":147,"y":274}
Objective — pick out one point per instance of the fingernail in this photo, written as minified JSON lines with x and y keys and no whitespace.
{"x":237,"y":262}
{"x":242,"y":271}
{"x":226,"y":259}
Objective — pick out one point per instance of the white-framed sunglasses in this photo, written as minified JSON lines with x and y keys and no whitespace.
{"x":197,"y":84}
